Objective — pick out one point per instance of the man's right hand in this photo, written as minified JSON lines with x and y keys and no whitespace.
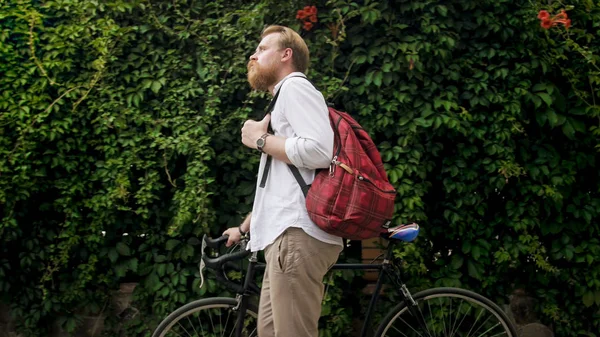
{"x":234,"y":233}
{"x":234,"y":236}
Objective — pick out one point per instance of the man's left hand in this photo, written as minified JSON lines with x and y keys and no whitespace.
{"x":253,"y":130}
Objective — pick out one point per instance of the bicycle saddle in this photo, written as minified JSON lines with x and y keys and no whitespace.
{"x":404,"y":233}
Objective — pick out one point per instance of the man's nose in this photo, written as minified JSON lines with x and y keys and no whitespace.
{"x":253,"y":57}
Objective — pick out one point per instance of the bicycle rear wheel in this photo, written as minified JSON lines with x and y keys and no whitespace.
{"x":448,"y":312}
{"x":207,"y":318}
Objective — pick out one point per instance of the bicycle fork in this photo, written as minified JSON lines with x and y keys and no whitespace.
{"x":244,"y":297}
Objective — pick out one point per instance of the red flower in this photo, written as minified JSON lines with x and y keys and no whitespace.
{"x":547,"y":22}
{"x":308,"y":16}
{"x":310,"y":10}
{"x":561,"y":15}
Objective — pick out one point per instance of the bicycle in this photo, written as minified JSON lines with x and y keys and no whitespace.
{"x":428,"y":313}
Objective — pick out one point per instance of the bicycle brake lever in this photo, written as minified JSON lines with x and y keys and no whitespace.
{"x":202,"y":264}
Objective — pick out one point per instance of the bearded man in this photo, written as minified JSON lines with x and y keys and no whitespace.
{"x":297,"y":252}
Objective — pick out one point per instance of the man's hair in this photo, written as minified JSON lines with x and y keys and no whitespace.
{"x":290,"y":39}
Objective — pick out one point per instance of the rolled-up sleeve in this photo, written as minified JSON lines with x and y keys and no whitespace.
{"x":306,"y":111}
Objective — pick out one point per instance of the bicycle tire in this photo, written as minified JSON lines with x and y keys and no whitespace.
{"x":409,"y":326}
{"x":179,"y":322}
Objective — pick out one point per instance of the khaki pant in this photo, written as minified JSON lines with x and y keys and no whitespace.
{"x":292,"y":289}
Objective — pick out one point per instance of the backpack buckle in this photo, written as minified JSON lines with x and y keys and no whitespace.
{"x":332,"y":166}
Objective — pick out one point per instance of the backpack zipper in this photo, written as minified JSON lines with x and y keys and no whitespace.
{"x":361,"y":178}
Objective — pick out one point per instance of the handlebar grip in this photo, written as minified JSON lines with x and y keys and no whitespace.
{"x":215,"y":243}
{"x":217,"y":262}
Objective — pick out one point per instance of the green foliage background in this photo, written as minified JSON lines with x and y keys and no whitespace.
{"x":119,"y":146}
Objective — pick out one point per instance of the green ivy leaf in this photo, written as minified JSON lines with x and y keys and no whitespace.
{"x":552,"y":118}
{"x":123,"y":249}
{"x":588,"y":299}
{"x":457,"y":261}
{"x":171,"y":244}
{"x":155,"y":86}
{"x":113,"y":255}
{"x":568,"y":130}
{"x":544,"y":96}
{"x":474,"y":269}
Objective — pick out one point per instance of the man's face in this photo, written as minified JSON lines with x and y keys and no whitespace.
{"x":264,"y":63}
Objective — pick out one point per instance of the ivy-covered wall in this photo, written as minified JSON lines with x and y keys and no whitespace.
{"x":119,"y":146}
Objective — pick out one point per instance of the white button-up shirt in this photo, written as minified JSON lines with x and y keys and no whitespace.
{"x":300,"y":115}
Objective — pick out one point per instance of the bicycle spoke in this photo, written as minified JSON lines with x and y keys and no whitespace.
{"x":436,"y":315}
{"x":482,"y":325}
{"x":456,"y":320}
{"x":475,"y":323}
{"x":200,"y":324}
{"x":234,"y":328}
{"x":488,"y":330}
{"x":176,"y":333}
{"x":402,"y":333}
{"x":227,"y":322}
{"x":209,"y":318}
{"x":221,"y":325}
{"x":477,"y":320}
{"x":186,"y":332}
{"x":450,"y":326}
{"x":211,"y":321}
{"x":192,"y":325}
{"x":410,"y":326}
{"x":463,"y":319}
{"x":442,"y":314}
{"x":424,"y":321}
{"x":500,"y":334}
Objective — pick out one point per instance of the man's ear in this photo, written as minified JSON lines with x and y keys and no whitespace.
{"x":287,"y":55}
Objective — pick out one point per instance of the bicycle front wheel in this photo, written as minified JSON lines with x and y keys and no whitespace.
{"x":209,"y":317}
{"x":447,"y":312}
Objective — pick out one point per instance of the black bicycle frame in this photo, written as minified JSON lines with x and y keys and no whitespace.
{"x":384,"y":268}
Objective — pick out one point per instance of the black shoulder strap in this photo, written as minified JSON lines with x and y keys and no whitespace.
{"x":270,"y":108}
{"x":263,"y":180}
{"x":303,"y":186}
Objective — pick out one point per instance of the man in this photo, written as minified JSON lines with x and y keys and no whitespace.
{"x":297,"y":252}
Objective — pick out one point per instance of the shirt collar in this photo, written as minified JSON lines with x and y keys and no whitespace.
{"x":278,"y":85}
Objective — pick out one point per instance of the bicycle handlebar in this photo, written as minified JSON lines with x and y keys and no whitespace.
{"x":214,"y":243}
{"x":220,"y":264}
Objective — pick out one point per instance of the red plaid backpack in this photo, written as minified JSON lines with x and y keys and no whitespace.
{"x":353,"y":199}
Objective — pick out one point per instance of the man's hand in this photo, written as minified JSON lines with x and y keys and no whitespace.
{"x":253,"y":130}
{"x":234,"y":236}
{"x":234,"y":233}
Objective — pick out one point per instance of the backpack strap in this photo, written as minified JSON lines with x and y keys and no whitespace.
{"x":299,"y":179}
{"x":270,"y":108}
{"x":263,"y":180}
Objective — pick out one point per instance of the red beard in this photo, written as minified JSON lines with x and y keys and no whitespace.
{"x":261,"y":77}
